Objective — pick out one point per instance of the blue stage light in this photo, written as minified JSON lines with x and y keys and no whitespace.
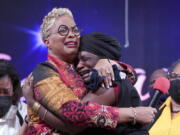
{"x":35,"y":36}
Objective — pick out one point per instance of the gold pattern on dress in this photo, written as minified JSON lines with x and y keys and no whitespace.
{"x":34,"y":118}
{"x":55,"y":93}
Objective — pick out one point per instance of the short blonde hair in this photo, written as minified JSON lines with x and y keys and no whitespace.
{"x":49,"y":20}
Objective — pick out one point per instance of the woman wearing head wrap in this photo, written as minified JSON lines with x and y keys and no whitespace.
{"x":93,"y":47}
{"x":105,"y":47}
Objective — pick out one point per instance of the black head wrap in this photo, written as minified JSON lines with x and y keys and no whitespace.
{"x":101,"y":45}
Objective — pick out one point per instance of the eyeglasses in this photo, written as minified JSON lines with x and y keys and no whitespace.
{"x":173,"y":75}
{"x":63,"y":30}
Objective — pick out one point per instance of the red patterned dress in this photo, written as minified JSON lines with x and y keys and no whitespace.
{"x":59,"y":88}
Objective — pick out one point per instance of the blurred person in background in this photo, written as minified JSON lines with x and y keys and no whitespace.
{"x":167,"y":120}
{"x":163,"y":72}
{"x":12,"y":111}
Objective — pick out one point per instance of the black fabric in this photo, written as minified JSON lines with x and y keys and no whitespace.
{"x":94,"y":82}
{"x":101,"y":45}
{"x":174,"y":90}
{"x":5,"y":104}
{"x":42,"y":71}
{"x":127,"y":97}
{"x":20,"y":118}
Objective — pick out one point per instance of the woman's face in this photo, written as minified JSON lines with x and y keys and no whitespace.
{"x":175,"y":74}
{"x":86,"y":62}
{"x":6,"y":88}
{"x":6,"y":93}
{"x":177,"y":69}
{"x":174,"y":90}
{"x":65,"y":47}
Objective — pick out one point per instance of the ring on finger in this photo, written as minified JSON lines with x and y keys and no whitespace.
{"x":108,"y":72}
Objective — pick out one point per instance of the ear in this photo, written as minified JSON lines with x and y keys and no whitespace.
{"x":47,"y":43}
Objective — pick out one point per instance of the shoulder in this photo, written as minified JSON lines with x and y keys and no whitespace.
{"x":42,"y":71}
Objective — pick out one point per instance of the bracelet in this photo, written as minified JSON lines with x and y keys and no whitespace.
{"x":103,"y":109}
{"x":44,"y":115}
{"x":134,"y":115}
{"x":36,"y":106}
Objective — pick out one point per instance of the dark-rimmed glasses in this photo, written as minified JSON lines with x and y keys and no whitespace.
{"x":63,"y":30}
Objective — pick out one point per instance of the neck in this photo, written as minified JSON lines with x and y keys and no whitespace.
{"x":69,"y":60}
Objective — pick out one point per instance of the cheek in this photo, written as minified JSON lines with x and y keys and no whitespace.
{"x":78,"y":40}
{"x":11,"y":92}
{"x":57,"y":40}
{"x":56,"y":44}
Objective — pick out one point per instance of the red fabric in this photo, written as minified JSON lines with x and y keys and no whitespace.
{"x":116,"y":90}
{"x":69,"y":76}
{"x":89,"y":114}
{"x":40,"y":129}
{"x":78,"y":113}
{"x":130,"y":69}
{"x":75,"y":112}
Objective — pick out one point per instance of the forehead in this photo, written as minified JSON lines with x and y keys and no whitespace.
{"x":64,"y":20}
{"x":87,"y":54}
{"x":177,"y":69}
{"x":5,"y":81}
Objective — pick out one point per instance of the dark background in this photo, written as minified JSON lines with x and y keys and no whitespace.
{"x":154,"y":29}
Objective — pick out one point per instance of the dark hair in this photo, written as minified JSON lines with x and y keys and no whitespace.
{"x":173,"y":66}
{"x":7,"y":69}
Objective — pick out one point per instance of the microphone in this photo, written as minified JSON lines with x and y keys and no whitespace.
{"x":161,"y":86}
